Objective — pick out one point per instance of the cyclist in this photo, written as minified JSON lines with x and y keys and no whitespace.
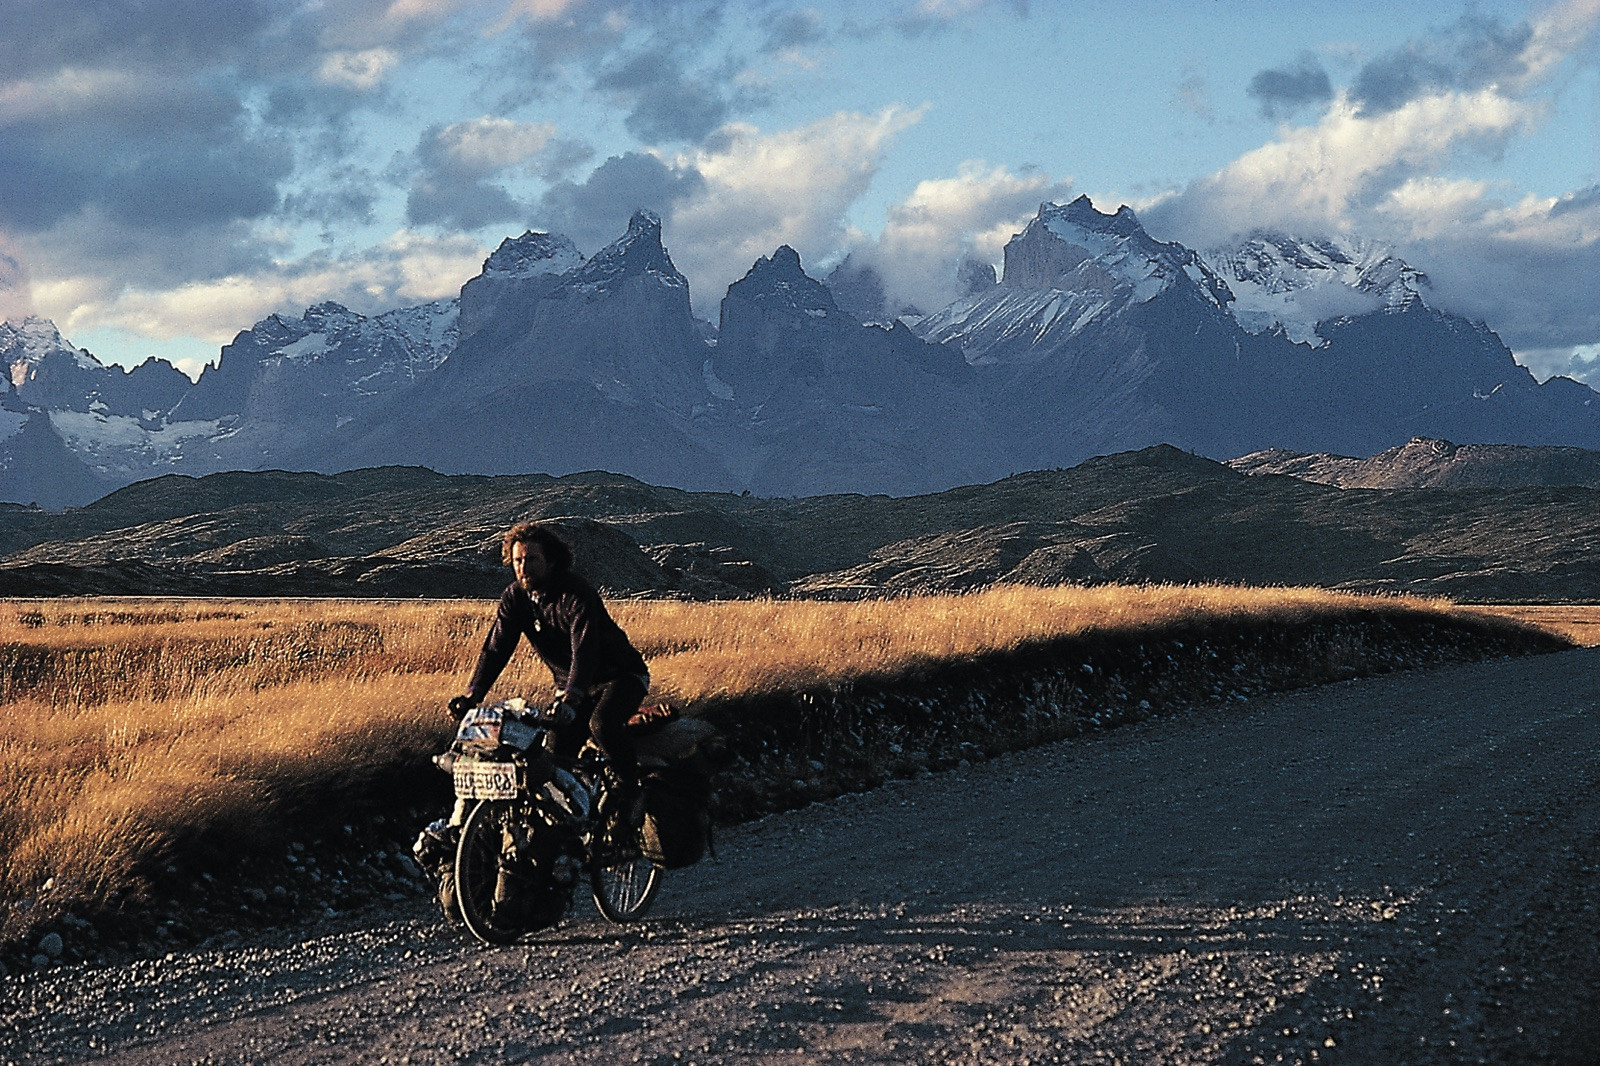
{"x":600,"y":677}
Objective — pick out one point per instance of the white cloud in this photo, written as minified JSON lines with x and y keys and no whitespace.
{"x":487,"y":144}
{"x":1430,"y":206}
{"x":946,"y":220}
{"x":764,"y":190}
{"x":408,"y":268}
{"x":363,"y":70}
{"x":1324,"y":177}
{"x":1579,"y":362}
{"x":1558,"y":33}
{"x":1529,"y":267}
{"x":1526,"y":264}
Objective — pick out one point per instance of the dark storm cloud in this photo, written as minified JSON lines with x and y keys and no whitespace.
{"x":137,"y":151}
{"x":667,"y":104}
{"x":1475,"y":52}
{"x":343,"y":196}
{"x":450,"y":190}
{"x":153,"y":257}
{"x":1581,"y":201}
{"x":654,"y":61}
{"x":596,"y":212}
{"x":561,"y":159}
{"x":151,"y":123}
{"x":44,"y":35}
{"x":1284,"y":90}
{"x":467,"y":205}
{"x":795,"y":29}
{"x":16,"y":299}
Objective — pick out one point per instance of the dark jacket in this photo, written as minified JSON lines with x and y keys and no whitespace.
{"x":569,"y":628}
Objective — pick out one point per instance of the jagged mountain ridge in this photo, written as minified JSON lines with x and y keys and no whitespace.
{"x":1143,"y":344}
{"x":1095,"y":338}
{"x":45,"y":371}
{"x":600,"y":367}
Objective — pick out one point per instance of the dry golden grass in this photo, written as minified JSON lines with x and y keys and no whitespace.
{"x":710,"y":650}
{"x":1579,"y":623}
{"x":131,"y":724}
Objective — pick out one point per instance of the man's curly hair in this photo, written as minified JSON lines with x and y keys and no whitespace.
{"x":556,"y":552}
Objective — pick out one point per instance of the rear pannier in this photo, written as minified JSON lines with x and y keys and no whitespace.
{"x":677,"y":757}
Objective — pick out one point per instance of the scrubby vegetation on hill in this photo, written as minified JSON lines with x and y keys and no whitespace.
{"x":1157,"y":515}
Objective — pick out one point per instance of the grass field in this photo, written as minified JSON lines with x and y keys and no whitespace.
{"x":1579,"y":623}
{"x":131,"y":726}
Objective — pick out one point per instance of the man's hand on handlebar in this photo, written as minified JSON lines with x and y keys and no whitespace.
{"x":460,"y":705}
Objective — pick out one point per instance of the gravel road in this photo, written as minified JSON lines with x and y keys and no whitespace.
{"x":1385,"y":871}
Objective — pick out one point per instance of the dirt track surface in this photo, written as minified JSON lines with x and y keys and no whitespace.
{"x":1387,"y":871}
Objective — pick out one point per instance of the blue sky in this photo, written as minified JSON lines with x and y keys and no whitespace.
{"x":171,"y":171}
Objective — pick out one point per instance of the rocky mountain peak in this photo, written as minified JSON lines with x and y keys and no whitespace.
{"x":638,"y":252}
{"x":26,"y":344}
{"x":1076,"y":248}
{"x":33,"y":332}
{"x":532,"y":255}
{"x":976,"y":277}
{"x":328,"y":316}
{"x":778,"y":282}
{"x":857,"y":287}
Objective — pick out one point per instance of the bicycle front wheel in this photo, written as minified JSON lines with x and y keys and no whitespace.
{"x":478,"y":861}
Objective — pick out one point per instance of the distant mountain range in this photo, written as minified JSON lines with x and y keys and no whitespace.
{"x":1158,"y":514}
{"x":1095,"y":338}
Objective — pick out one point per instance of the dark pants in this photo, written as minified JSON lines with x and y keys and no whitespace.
{"x":614,"y":703}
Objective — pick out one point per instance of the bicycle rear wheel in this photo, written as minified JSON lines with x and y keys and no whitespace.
{"x":623,"y":881}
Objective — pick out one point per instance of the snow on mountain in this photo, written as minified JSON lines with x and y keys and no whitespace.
{"x":430,"y":332}
{"x":519,"y":272}
{"x":46,"y":371}
{"x":123,"y":449}
{"x":36,"y":466}
{"x":602,"y":367}
{"x":1096,"y":338}
{"x":26,"y":345}
{"x":400,"y":344}
{"x":1077,"y":248}
{"x":1294,"y":283}
{"x":1071,"y":269}
{"x":318,"y":368}
{"x":532,"y":255}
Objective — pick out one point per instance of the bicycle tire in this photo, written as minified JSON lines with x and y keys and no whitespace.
{"x":624,"y":883}
{"x":478,"y":869}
